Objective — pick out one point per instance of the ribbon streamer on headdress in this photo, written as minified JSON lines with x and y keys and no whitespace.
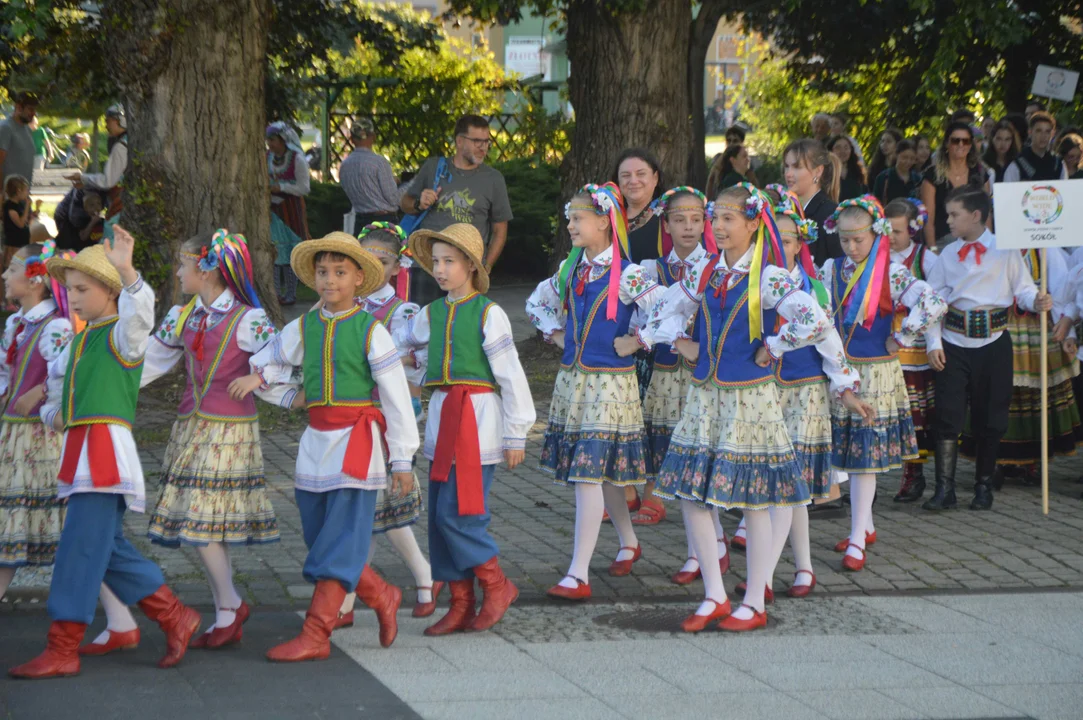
{"x":767,"y":251}
{"x":606,"y":200}
{"x":660,"y":206}
{"x":807,"y":234}
{"x":228,"y":252}
{"x":406,"y":260}
{"x":918,"y":223}
{"x":870,"y":279}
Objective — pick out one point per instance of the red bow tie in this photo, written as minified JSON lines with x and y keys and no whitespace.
{"x":978,"y":249}
{"x":14,"y":347}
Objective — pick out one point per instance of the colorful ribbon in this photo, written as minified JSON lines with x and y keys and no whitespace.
{"x":606,"y":200}
{"x":228,"y":252}
{"x":870,"y":279}
{"x":660,"y":206}
{"x":458,"y":442}
{"x":768,"y":251}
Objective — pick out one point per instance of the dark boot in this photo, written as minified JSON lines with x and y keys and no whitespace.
{"x":985,"y":467}
{"x":947,"y":452}
{"x":913,"y":484}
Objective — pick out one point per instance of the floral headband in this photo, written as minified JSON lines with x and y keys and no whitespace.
{"x":880,"y":226}
{"x":601,"y":202}
{"x":34,"y":266}
{"x":807,"y":231}
{"x":661,"y":205}
{"x":917,"y":223}
{"x":605,"y":200}
{"x":753,"y":206}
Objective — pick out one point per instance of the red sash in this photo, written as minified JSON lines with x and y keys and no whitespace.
{"x":359,"y":446}
{"x":458,"y":441}
{"x":100,"y":454}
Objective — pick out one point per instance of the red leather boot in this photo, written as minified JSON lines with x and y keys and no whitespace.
{"x":460,"y":609}
{"x":385,"y":599}
{"x":314,"y":642}
{"x":178,"y":621}
{"x":61,"y":656}
{"x":500,"y":593}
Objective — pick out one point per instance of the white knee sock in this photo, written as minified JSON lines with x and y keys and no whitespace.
{"x":589,"y":505}
{"x":700,"y":529}
{"x":758,"y":552}
{"x":118,"y":617}
{"x":862,"y":492}
{"x":781,"y":521}
{"x":215,"y":557}
{"x":7,"y":574}
{"x":741,"y":532}
{"x":802,"y":550}
{"x":692,"y":563}
{"x":405,"y":544}
{"x":622,"y":520}
{"x":720,"y":533}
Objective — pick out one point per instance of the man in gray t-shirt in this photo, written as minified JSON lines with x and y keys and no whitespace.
{"x":16,"y":141}
{"x":468,"y":192}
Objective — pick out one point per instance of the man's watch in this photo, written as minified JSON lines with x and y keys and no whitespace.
{"x":417,"y":204}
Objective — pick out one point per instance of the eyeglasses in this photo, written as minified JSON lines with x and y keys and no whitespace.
{"x":478,"y":142}
{"x":959,"y":141}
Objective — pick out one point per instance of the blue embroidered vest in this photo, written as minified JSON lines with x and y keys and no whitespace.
{"x":588,"y":337}
{"x":726,"y":357}
{"x":861,"y":345}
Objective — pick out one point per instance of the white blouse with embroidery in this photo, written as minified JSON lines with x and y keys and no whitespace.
{"x":503,"y":419}
{"x":320,"y":456}
{"x":415,"y":362}
{"x":547,"y":312}
{"x":53,"y":339}
{"x":131,"y":335}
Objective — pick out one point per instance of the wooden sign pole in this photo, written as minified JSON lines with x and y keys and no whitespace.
{"x":1044,"y":365}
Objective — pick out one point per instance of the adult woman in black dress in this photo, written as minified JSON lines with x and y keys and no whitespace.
{"x":852,"y":177}
{"x":1004,"y":146}
{"x":957,"y":164}
{"x":812,"y":173}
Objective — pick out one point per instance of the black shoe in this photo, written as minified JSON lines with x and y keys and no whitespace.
{"x":947,"y":453}
{"x":985,"y":474}
{"x":983,"y":497}
{"x":913,"y":485}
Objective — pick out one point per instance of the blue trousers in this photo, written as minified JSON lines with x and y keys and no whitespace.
{"x":337,"y":526}
{"x":458,"y":543}
{"x":93,"y":549}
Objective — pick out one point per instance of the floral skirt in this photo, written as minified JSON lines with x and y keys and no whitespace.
{"x":886,"y":442}
{"x":921,"y":389}
{"x":806,"y":410}
{"x":731,"y":449}
{"x":213,"y":489}
{"x":31,"y":516}
{"x":595,"y":431}
{"x":395,"y":512}
{"x":662,"y":411}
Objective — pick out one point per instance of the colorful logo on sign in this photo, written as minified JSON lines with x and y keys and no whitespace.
{"x":1042,"y":204}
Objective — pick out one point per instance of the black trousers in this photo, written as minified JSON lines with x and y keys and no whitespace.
{"x":982,"y":378}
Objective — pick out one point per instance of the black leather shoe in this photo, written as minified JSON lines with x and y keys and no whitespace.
{"x":983,"y":496}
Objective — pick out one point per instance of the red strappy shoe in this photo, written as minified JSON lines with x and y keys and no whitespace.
{"x":849,"y":562}
{"x":426,"y":609}
{"x":732,"y":624}
{"x":696,"y":623}
{"x":651,"y":512}
{"x":581,"y":591}
{"x":620,"y":568}
{"x":687,"y":577}
{"x":800,"y":591}
{"x":220,"y":637}
{"x":844,"y":544}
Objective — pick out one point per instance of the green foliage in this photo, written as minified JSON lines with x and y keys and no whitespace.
{"x":325,"y":205}
{"x":534,"y":193}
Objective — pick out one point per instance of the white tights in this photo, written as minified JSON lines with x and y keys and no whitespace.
{"x":692,"y":563}
{"x":590,"y":501}
{"x":405,"y":544}
{"x":802,"y":549}
{"x":759,"y":553}
{"x":703,"y":536}
{"x":862,"y":493}
{"x":781,"y":522}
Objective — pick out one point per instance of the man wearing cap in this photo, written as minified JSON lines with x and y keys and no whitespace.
{"x":16,"y":139}
{"x":116,"y":124}
{"x":367,"y":179}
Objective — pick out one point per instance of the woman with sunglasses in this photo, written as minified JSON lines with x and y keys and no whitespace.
{"x":957,"y":164}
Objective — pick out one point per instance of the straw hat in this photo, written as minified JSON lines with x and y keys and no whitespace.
{"x":90,"y":261}
{"x":463,"y":236}
{"x":303,"y":260}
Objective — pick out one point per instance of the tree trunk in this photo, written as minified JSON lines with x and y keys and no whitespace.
{"x":703,"y":28}
{"x":629,"y":87}
{"x":192,"y":75}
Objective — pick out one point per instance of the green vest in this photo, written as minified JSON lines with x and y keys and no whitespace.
{"x":336,"y":365}
{"x":456,"y":356}
{"x":100,"y":386}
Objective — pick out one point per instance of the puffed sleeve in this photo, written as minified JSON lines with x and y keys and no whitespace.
{"x":135,"y":307}
{"x":413,"y":334}
{"x":5,"y":342}
{"x":56,"y":336}
{"x":165,"y":348}
{"x":805,"y":321}
{"x":926,"y":305}
{"x":544,"y":308}
{"x":414,"y":361}
{"x":54,"y":387}
{"x":639,"y":289}
{"x":395,"y":402}
{"x":669,"y":316}
{"x":641,"y":316}
{"x":255,"y":331}
{"x":518,"y":405}
{"x":278,"y":363}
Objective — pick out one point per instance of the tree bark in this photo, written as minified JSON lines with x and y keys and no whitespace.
{"x":702,"y":32}
{"x":192,"y":76}
{"x":629,"y":87}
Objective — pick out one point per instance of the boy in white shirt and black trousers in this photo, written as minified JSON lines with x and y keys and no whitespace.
{"x":974,"y":361}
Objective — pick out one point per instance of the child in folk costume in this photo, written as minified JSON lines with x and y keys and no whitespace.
{"x":806,"y":385}
{"x":396,"y":514}
{"x":907,"y":217}
{"x":594,"y":440}
{"x":91,"y":394}
{"x":31,"y":515}
{"x":973,"y":359}
{"x":686,"y":239}
{"x":471,"y":353}
{"x":865,"y":288}
{"x":213,"y":492}
{"x":1020,"y":448}
{"x":731,"y":448}
{"x":361,"y":424}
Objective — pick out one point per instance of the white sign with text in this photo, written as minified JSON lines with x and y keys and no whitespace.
{"x":1038,"y":214}
{"x":1055,"y":82}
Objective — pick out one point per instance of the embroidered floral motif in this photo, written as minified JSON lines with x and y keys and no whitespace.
{"x":168,"y":327}
{"x":262,"y":329}
{"x":59,"y":340}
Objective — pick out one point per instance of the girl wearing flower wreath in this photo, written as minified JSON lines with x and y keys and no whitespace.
{"x":594,"y":440}
{"x":213,"y":492}
{"x":865,"y":288}
{"x":686,"y":239}
{"x":30,"y":513}
{"x":907,"y":217}
{"x":731,"y":448}
{"x":396,"y":515}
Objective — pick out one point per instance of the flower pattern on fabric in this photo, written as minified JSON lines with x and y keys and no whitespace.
{"x":889,"y":438}
{"x":260,"y":328}
{"x":167,"y":331}
{"x":57,"y":342}
{"x":31,"y":515}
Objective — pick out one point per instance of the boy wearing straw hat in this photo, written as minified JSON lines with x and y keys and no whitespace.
{"x":358,"y":401}
{"x":471,"y":354}
{"x":91,"y":395}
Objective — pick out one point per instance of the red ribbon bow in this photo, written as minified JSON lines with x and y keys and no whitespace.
{"x":978,"y":249}
{"x":197,"y":342}
{"x":458,"y":442}
{"x":101,"y":457}
{"x":581,"y":275}
{"x":14,"y":347}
